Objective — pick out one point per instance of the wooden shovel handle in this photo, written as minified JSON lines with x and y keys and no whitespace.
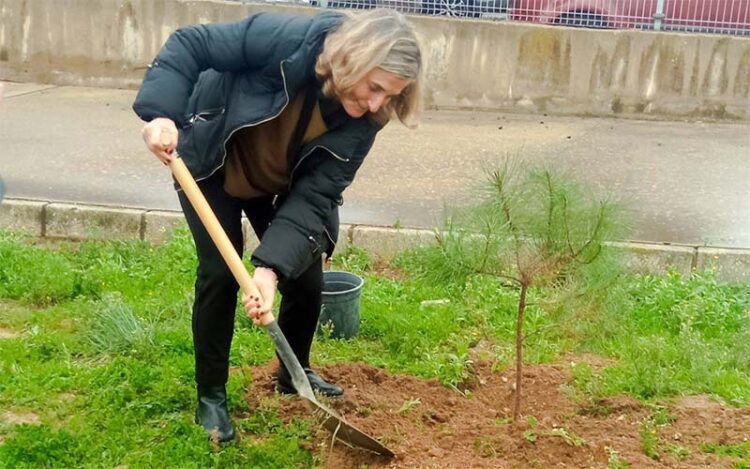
{"x":207,"y":216}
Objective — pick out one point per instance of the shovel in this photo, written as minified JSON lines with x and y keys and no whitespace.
{"x":341,"y":430}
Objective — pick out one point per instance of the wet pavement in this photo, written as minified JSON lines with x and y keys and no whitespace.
{"x":683,"y":182}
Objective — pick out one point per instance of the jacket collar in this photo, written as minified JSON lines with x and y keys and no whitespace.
{"x":330,"y":109}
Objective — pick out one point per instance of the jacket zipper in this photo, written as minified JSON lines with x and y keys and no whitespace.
{"x":302,"y":158}
{"x":201,"y":115}
{"x":224,"y":145}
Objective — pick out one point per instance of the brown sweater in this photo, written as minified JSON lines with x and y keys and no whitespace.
{"x":262,"y":150}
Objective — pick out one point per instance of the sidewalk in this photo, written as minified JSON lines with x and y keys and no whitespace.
{"x":685,"y":183}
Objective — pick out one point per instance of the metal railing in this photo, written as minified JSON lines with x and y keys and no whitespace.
{"x":700,"y":16}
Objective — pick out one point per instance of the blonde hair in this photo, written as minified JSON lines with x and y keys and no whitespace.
{"x":376,"y":39}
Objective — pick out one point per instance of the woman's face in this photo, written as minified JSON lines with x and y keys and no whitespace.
{"x":372,"y":92}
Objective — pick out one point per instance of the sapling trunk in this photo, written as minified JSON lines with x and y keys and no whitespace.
{"x":519,"y":350}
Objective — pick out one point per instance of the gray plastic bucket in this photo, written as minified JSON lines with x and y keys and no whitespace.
{"x":340,"y":309}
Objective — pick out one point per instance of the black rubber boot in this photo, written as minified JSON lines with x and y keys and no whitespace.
{"x":319,"y":385}
{"x":212,"y":413}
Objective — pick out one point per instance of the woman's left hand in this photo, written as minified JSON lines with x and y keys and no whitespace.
{"x":265,"y":280}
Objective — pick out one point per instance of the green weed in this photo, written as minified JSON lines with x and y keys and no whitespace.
{"x":568,"y":436}
{"x":649,"y":439}
{"x":354,"y":259}
{"x":115,"y":328}
{"x":408,"y":405}
{"x":614,"y":461}
{"x":737,"y":450}
{"x":649,"y":431}
{"x":679,"y":452}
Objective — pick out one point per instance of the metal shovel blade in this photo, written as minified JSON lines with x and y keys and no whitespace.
{"x":346,"y":432}
{"x":299,"y":378}
{"x":331,"y":421}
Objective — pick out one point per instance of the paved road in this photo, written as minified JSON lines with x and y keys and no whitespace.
{"x":684,"y":182}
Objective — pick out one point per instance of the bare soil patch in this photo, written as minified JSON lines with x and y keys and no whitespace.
{"x":14,"y":418}
{"x":428,"y":425}
{"x":7,"y":334}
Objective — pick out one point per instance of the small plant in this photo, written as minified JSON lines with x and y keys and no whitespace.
{"x":354,"y":259}
{"x":532,"y":229}
{"x":614,"y":461}
{"x":650,"y":431}
{"x":596,"y":408}
{"x":530,"y":435}
{"x":325,"y":331}
{"x":408,"y":405}
{"x":569,"y":437}
{"x":679,"y":452}
{"x":585,"y":380}
{"x":363,"y":411}
{"x":661,"y":416}
{"x":650,"y":439}
{"x":116,"y":329}
{"x":486,"y":446}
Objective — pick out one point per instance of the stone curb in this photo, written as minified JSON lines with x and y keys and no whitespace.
{"x":58,"y":220}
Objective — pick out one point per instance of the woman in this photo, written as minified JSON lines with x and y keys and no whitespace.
{"x":273,"y":115}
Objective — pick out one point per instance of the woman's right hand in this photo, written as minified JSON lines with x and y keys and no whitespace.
{"x":160,"y":136}
{"x":265,"y":280}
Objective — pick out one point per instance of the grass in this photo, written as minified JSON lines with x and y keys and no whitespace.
{"x":675,"y":335}
{"x":739,"y":450}
{"x":102,"y":352}
{"x":738,"y":453}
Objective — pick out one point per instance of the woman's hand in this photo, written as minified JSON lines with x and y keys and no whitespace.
{"x":265,"y":279}
{"x":160,"y":136}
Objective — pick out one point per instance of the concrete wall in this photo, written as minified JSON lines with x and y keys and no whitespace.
{"x":469,"y":64}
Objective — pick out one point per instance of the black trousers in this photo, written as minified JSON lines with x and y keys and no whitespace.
{"x":216,"y":290}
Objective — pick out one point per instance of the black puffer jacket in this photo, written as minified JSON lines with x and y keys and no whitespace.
{"x":213,"y":80}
